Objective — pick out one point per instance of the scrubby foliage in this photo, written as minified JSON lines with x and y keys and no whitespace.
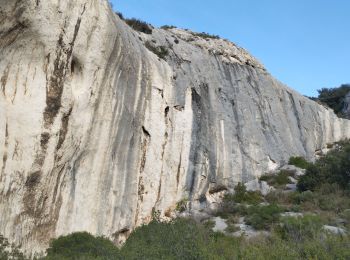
{"x":300,"y":229}
{"x":167,"y":27}
{"x":160,"y":51}
{"x":121,"y":16}
{"x":333,"y":168}
{"x":139,"y":25}
{"x":185,"y":239}
{"x":263,"y":217}
{"x":241,"y":195}
{"x":82,"y":245}
{"x":298,"y":236}
{"x":205,"y":35}
{"x":299,"y":162}
{"x":334,"y":97}
{"x":181,"y":239}
{"x":278,"y":180}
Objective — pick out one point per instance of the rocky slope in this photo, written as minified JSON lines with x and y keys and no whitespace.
{"x":97,"y":132}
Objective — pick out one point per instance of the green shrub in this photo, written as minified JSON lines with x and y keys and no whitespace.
{"x":300,"y":228}
{"x":305,"y":196}
{"x":181,"y":206}
{"x":333,"y":168}
{"x":205,"y":35}
{"x":139,"y":25}
{"x":346,"y":216}
{"x":231,"y":228}
{"x":185,"y":239}
{"x":278,"y":180}
{"x":82,"y":245}
{"x":160,"y":51}
{"x":299,"y":162}
{"x":263,"y":217}
{"x":334,"y":98}
{"x":241,"y":195}
{"x":209,"y":224}
{"x":167,"y":27}
{"x":180,"y":239}
{"x":121,"y":16}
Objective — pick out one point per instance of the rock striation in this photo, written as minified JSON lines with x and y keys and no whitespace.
{"x":97,"y":132}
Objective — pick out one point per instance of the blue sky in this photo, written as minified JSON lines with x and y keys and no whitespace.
{"x":303,"y":43}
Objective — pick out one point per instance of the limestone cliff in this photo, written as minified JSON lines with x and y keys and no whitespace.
{"x":97,"y":132}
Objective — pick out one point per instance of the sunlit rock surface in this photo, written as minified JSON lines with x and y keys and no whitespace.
{"x":97,"y":132}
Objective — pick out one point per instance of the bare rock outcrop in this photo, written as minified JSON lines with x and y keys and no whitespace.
{"x":97,"y":132}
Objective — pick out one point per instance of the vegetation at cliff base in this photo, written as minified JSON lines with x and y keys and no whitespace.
{"x":334,"y":98}
{"x":300,"y":238}
{"x":333,"y":168}
{"x":322,"y":200}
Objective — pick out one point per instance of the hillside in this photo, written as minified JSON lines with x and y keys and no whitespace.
{"x":103,"y":125}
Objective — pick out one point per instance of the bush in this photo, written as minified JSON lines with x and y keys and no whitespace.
{"x":121,"y":16}
{"x":278,"y":180}
{"x":300,"y":228}
{"x":299,"y":162}
{"x":241,"y":195}
{"x":185,"y":239}
{"x":180,"y":239}
{"x":181,"y":206}
{"x":167,"y":27}
{"x":334,"y":98}
{"x":333,"y":168}
{"x":205,"y":35}
{"x":263,"y":217}
{"x":160,"y":51}
{"x":82,"y":245}
{"x":139,"y":25}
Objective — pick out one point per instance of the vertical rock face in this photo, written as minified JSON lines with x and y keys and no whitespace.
{"x":97,"y":132}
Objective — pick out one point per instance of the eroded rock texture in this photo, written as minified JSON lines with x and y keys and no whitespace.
{"x":97,"y":132}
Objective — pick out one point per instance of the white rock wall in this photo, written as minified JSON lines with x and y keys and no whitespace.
{"x":97,"y":132}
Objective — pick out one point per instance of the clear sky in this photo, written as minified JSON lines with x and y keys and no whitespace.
{"x":303,"y":43}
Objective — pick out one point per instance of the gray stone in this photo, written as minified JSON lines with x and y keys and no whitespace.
{"x":292,"y":214}
{"x":220,"y":224}
{"x":334,"y":230}
{"x":262,"y":186}
{"x":291,"y":186}
{"x":292,"y":180}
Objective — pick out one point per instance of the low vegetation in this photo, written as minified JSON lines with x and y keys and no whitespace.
{"x":334,"y":98}
{"x":278,"y":180}
{"x":299,"y":238}
{"x":299,"y":162}
{"x":81,"y":245}
{"x":167,"y":27}
{"x":241,"y":195}
{"x":205,"y":35}
{"x":332,"y":169}
{"x":263,"y":217}
{"x":160,"y":51}
{"x":325,"y":200}
{"x":139,"y":25}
